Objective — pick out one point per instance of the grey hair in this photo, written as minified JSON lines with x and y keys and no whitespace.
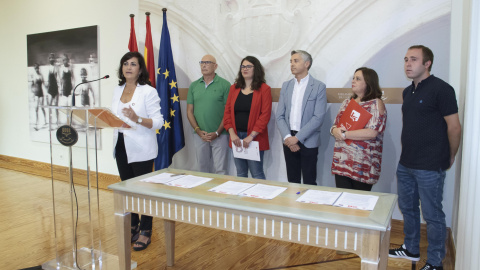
{"x":305,"y":55}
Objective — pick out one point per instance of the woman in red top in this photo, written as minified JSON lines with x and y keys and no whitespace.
{"x":247,"y":112}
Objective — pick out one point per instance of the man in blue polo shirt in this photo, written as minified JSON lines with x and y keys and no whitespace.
{"x":206,"y":101}
{"x":430,"y":139}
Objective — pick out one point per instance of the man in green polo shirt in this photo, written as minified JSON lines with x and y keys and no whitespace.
{"x":206,"y":101}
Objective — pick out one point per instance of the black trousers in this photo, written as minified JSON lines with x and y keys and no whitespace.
{"x":131,"y":170}
{"x":301,"y":162}
{"x":347,"y":182}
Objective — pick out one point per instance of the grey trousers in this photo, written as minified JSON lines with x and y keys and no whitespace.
{"x":212,"y":152}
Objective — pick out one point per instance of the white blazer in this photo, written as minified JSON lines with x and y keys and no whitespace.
{"x":140,"y":142}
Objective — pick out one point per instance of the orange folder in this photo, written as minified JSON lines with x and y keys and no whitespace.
{"x":354,"y":117}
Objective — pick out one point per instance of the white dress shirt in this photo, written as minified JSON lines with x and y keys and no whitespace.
{"x":297,"y":100}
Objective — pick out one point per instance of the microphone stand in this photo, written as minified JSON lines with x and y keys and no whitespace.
{"x":72,"y":184}
{"x":73,"y":92}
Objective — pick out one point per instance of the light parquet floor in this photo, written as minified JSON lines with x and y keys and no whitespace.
{"x":27,"y":237}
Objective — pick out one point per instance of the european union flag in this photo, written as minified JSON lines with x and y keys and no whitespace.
{"x":170,"y":137}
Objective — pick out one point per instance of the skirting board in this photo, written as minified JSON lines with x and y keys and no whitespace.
{"x":59,"y":172}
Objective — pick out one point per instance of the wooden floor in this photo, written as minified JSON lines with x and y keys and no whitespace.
{"x":27,"y":237}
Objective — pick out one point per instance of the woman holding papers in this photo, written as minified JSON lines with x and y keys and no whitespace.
{"x":357,"y":155}
{"x":138,"y":104}
{"x":247,"y":112}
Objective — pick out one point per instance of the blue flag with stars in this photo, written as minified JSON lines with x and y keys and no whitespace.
{"x":170,"y":137}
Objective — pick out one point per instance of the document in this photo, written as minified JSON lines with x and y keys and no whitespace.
{"x":188,"y":181}
{"x":357,"y":201}
{"x":162,"y":178}
{"x":263,"y":191}
{"x":319,"y":197}
{"x":250,"y":153}
{"x":354,"y":117}
{"x":231,"y":187}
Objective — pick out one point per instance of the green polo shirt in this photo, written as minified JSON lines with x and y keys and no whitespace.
{"x":208,"y":103}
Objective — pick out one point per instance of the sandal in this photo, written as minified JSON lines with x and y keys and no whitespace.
{"x":142,"y":245}
{"x":135,"y":233}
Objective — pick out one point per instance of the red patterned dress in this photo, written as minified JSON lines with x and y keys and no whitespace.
{"x":361,"y":160}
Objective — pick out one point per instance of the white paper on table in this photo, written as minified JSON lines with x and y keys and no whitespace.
{"x":251,"y":153}
{"x":163,"y":178}
{"x":357,"y":201}
{"x":188,"y":181}
{"x":231,"y":187}
{"x":263,"y":191}
{"x":319,"y":197}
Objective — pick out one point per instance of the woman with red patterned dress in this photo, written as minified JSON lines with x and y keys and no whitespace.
{"x":357,"y":165}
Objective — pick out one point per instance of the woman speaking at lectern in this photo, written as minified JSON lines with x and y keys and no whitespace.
{"x":138,"y":104}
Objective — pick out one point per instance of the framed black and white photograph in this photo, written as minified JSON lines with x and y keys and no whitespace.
{"x":57,"y":62}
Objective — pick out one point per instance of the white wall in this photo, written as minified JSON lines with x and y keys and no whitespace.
{"x":23,"y":17}
{"x":341,"y":36}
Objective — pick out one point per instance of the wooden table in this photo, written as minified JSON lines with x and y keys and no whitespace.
{"x":366,"y":233}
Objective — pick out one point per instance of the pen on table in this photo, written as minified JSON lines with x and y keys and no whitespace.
{"x":300,"y":192}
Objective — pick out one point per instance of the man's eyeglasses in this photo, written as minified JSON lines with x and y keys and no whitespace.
{"x":246,"y":67}
{"x":206,"y":62}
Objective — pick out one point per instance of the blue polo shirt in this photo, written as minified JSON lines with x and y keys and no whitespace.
{"x":425,"y":143}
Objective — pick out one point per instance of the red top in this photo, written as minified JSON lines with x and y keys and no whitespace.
{"x":259,"y":117}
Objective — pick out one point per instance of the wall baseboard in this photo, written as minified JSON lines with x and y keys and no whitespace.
{"x":59,"y":172}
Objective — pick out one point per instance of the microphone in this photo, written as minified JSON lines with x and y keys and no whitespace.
{"x":73,"y":92}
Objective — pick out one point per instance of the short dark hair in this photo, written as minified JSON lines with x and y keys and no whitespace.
{"x":258,"y":74}
{"x":427,"y":54}
{"x":143,"y":77}
{"x":373,"y":90}
{"x":305,"y":55}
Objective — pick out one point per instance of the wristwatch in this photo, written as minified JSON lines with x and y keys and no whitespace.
{"x":139,"y":120}
{"x":217,"y":133}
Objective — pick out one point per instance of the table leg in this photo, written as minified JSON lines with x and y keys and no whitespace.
{"x":123,"y":224}
{"x":370,"y":253}
{"x":385,"y":245}
{"x":169,"y":227}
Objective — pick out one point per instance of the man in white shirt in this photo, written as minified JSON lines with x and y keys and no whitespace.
{"x":299,"y":116}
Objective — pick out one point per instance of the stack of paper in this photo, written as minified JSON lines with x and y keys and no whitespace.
{"x":188,"y":181}
{"x":232,"y":187}
{"x":319,"y":197}
{"x":357,"y":201}
{"x":177,"y":180}
{"x":263,"y":191}
{"x":162,"y":178}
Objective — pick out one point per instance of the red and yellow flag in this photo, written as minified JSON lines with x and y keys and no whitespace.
{"x":148,"y":55}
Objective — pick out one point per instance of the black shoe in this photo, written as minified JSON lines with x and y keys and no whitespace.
{"x":403,"y":253}
{"x":142,"y":245}
{"x":135,"y":233}
{"x":431,"y":267}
